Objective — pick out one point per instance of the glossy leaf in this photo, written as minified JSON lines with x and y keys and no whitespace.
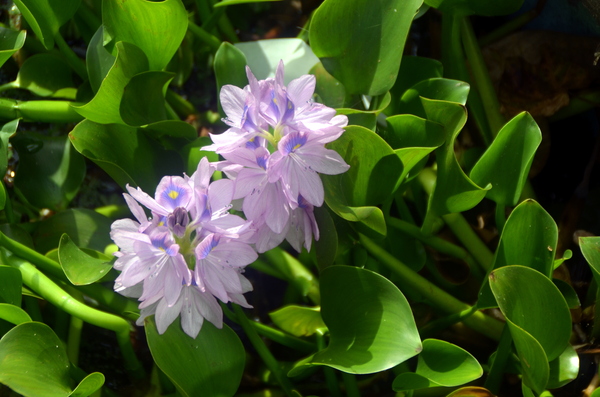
{"x":79,"y":267}
{"x":412,"y":139}
{"x":172,"y":134}
{"x":233,"y":2}
{"x":564,"y":368}
{"x":328,"y":90}
{"x":434,"y":88}
{"x":534,"y":305}
{"x":98,"y":59}
{"x":50,"y":172}
{"x":45,"y":17}
{"x":87,"y":229}
{"x":528,"y":238}
{"x":507,"y":161}
{"x":386,"y":334}
{"x":10,"y":285}
{"x":193,"y":153}
{"x":157,"y":28}
{"x":360,"y":43}
{"x":568,"y":292}
{"x":299,"y":320}
{"x":412,"y":71}
{"x":11,"y":41}
{"x":590,"y":248}
{"x":13,"y":314}
{"x":44,"y":75}
{"x":454,"y":191}
{"x":230,"y":68}
{"x":34,"y":363}
{"x":6,"y":132}
{"x":374,"y":171}
{"x":263,"y":56}
{"x":327,"y":246}
{"x":104,"y":108}
{"x":212,"y":364}
{"x":442,"y":364}
{"x":366,"y":118}
{"x":143,"y":99}
{"x":475,"y":7}
{"x":125,"y":153}
{"x":471,"y":391}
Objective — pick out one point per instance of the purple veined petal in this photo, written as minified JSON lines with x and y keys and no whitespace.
{"x":136,"y":209}
{"x":173,"y":192}
{"x":132,"y":292}
{"x":278,"y":212}
{"x":201,"y":177}
{"x":292,"y":142}
{"x":145,"y":199}
{"x":233,"y":254}
{"x":150,"y":263}
{"x":310,"y":185}
{"x":218,"y":281}
{"x":233,"y":101}
{"x":322,"y":160}
{"x":206,"y":246}
{"x":191,"y":319}
{"x":173,"y":281}
{"x":301,"y":90}
{"x":253,"y":84}
{"x":279,"y":74}
{"x":240,"y":300}
{"x":266,"y":239}
{"x":220,"y":194}
{"x":124,"y":232}
{"x":230,"y":226}
{"x":125,"y":261}
{"x":145,"y":312}
{"x":248,"y":180}
{"x":165,"y":314}
{"x":208,"y":307}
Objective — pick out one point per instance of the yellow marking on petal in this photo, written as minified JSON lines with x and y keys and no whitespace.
{"x":289,"y":104}
{"x":161,"y":223}
{"x":297,"y":146}
{"x":275,"y":101}
{"x":173,"y":194}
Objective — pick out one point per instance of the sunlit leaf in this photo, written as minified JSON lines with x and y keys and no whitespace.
{"x":44,"y":74}
{"x":476,"y":7}
{"x":50,"y":172}
{"x":329,"y":91}
{"x":366,"y":118}
{"x":13,"y":314}
{"x":564,"y":368}
{"x":299,"y":320}
{"x":230,"y":68}
{"x":45,"y":17}
{"x":435,"y":88}
{"x":89,"y":385}
{"x":386,"y":334}
{"x":11,"y":41}
{"x":79,"y":267}
{"x":193,"y":153}
{"x":98,"y":59}
{"x":6,"y":132}
{"x":471,"y":391}
{"x":212,"y":364}
{"x":507,"y":161}
{"x":10,"y":286}
{"x":157,"y":28}
{"x":590,"y":248}
{"x":360,"y":43}
{"x":223,"y":3}
{"x":143,"y":99}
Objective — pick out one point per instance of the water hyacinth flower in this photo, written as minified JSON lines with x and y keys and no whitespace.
{"x":190,"y":252}
{"x":275,"y":150}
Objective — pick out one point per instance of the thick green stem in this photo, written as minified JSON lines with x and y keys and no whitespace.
{"x":414,"y":283}
{"x":494,"y":378}
{"x":42,"y":111}
{"x":213,"y":42}
{"x":481,"y":75}
{"x":264,"y":352}
{"x":181,"y":106}
{"x":72,"y":59}
{"x":352,"y":389}
{"x":274,"y":334}
{"x":46,"y":288}
{"x":330,"y":376}
{"x":463,"y":231}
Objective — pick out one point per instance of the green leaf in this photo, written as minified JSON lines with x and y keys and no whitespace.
{"x":230,"y":68}
{"x":528,"y":238}
{"x":507,"y":161}
{"x":442,"y":364}
{"x":172,"y":134}
{"x":105,"y":107}
{"x":299,"y":320}
{"x":454,"y":191}
{"x":360,"y":43}
{"x":476,"y":7}
{"x":471,"y":391}
{"x":10,"y":286}
{"x":263,"y":56}
{"x":87,"y":229}
{"x":6,"y":132}
{"x":143,"y":99}
{"x":45,"y":17}
{"x":11,"y":41}
{"x":44,"y":75}
{"x":328,"y":90}
{"x":533,"y":304}
{"x":412,"y":71}
{"x":412,"y":139}
{"x":125,"y":153}
{"x":365,"y":118}
{"x":79,"y":267}
{"x":223,"y":3}
{"x":590,"y":248}
{"x":182,"y":63}
{"x":326,"y":246}
{"x":374,"y":171}
{"x":193,"y":153}
{"x":157,"y":28}
{"x":50,"y":172}
{"x":98,"y":59}
{"x":564,"y":368}
{"x":13,"y":314}
{"x":568,"y":293}
{"x":89,"y":385}
{"x":435,"y":88}
{"x":386,"y":334}
{"x":212,"y":364}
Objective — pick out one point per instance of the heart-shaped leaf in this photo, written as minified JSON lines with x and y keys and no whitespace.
{"x":44,"y":75}
{"x":386,"y":334}
{"x":435,"y":88}
{"x":143,"y":99}
{"x":98,"y":60}
{"x":157,"y":28}
{"x":299,"y":320}
{"x":11,"y":41}
{"x":361,"y":43}
{"x":79,"y":267}
{"x":13,"y":314}
{"x":212,"y":364}
{"x":564,"y":368}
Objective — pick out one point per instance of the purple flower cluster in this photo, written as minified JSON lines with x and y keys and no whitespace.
{"x":274,"y":151}
{"x":191,"y":251}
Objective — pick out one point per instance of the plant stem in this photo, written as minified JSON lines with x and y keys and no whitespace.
{"x":330,"y":376}
{"x":72,"y":59}
{"x":274,"y":334}
{"x":492,"y":383}
{"x":463,"y":231}
{"x":46,"y":288}
{"x":295,"y":273}
{"x":351,"y":385}
{"x":8,"y":208}
{"x":181,"y":106}
{"x":438,"y":298}
{"x":213,"y":42}
{"x":264,"y":352}
{"x":42,"y":111}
